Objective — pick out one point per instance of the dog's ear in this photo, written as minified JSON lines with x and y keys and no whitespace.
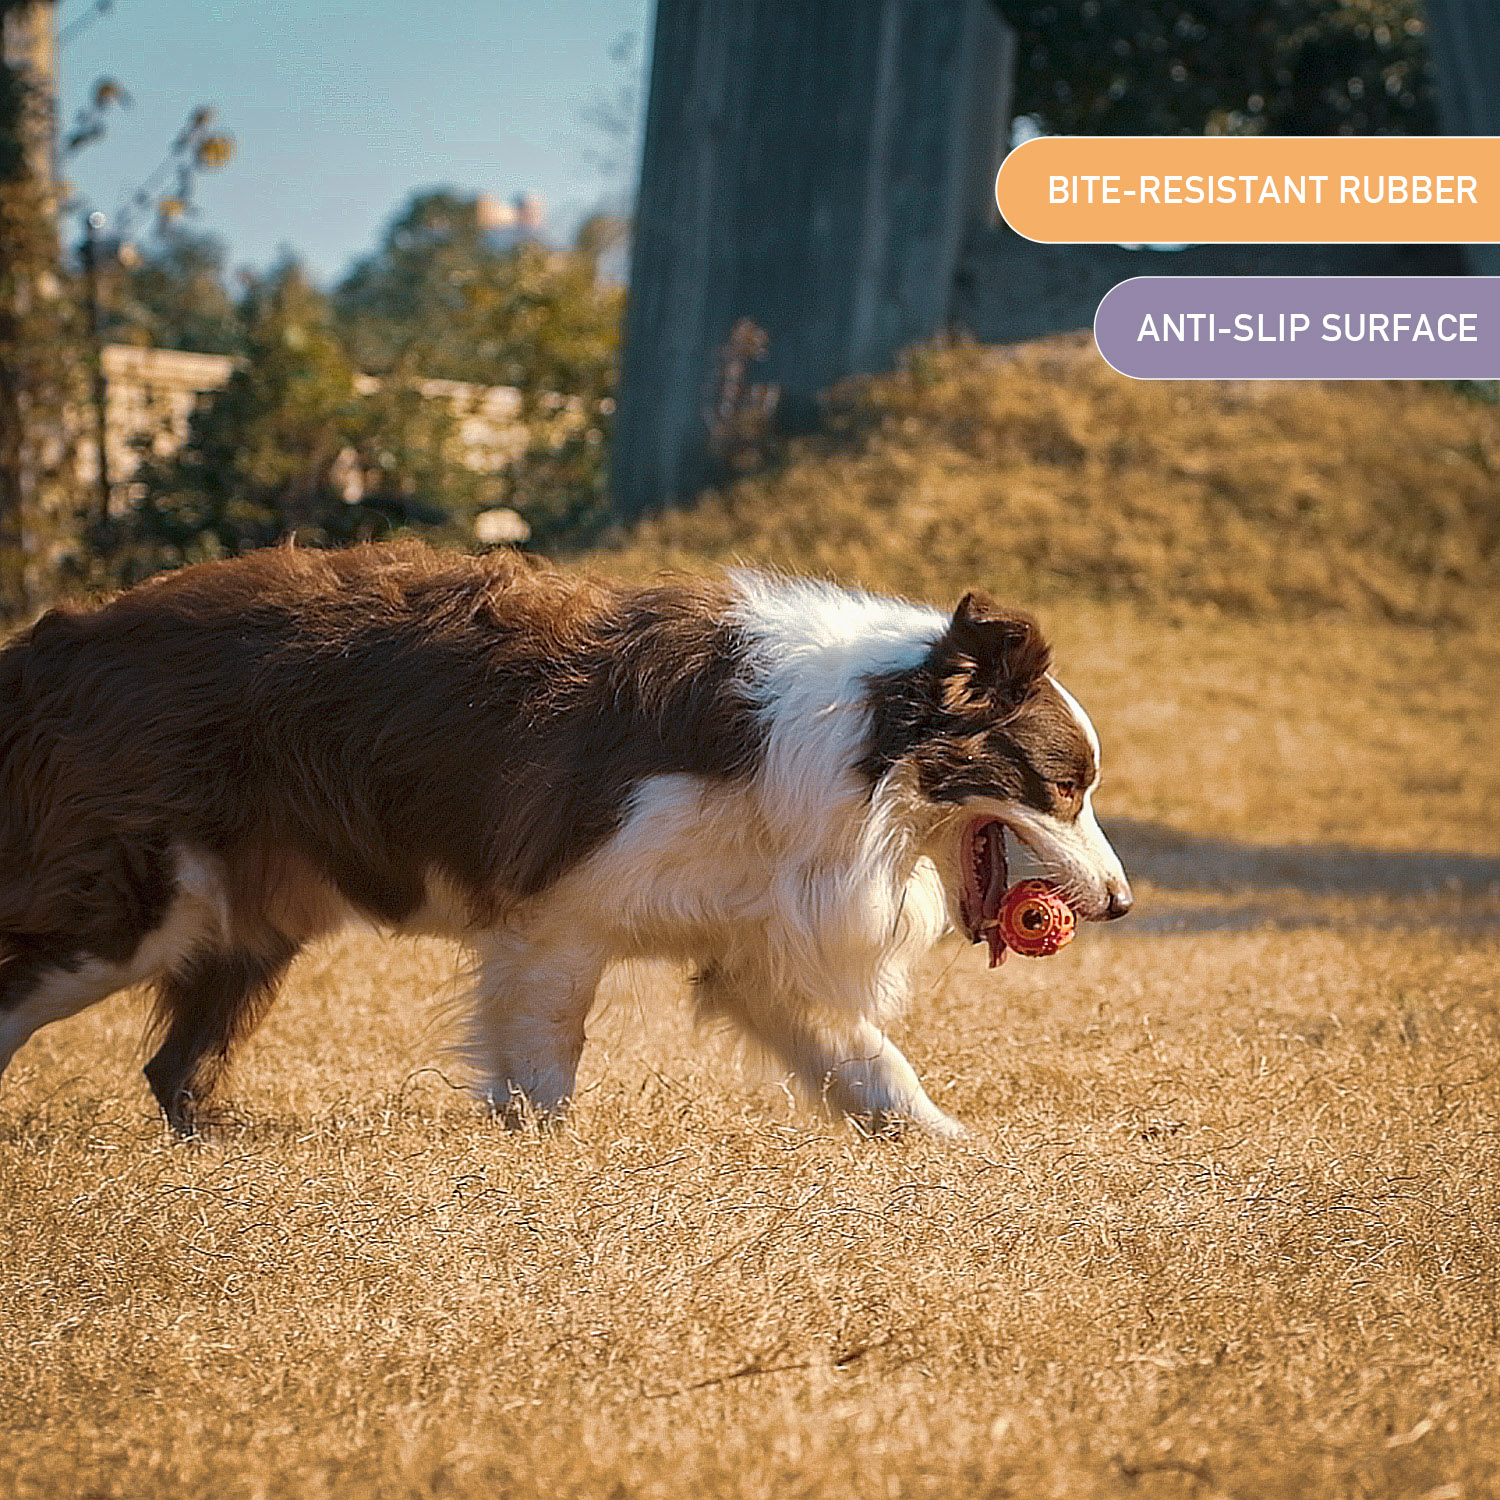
{"x":990,"y":657}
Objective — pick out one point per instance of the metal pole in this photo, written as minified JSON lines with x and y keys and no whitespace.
{"x":90,"y":251}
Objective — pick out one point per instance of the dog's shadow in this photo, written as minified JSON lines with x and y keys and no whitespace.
{"x":1292,"y":884}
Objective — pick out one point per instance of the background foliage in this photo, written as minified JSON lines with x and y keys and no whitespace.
{"x":296,"y":444}
{"x":177,"y":297}
{"x":1245,"y":67}
{"x":39,"y":377}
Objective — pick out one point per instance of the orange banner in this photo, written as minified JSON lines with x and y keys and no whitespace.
{"x":1156,"y":189}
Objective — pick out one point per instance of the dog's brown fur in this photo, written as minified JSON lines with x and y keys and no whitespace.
{"x":335,"y":728}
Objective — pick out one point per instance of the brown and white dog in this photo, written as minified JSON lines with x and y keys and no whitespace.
{"x":794,"y":787}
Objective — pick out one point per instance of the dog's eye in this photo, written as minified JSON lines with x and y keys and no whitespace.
{"x":1067,"y":790}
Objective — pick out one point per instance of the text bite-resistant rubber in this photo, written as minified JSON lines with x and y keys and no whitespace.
{"x":1256,"y":190}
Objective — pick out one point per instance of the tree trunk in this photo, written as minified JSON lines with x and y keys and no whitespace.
{"x":28,"y":254}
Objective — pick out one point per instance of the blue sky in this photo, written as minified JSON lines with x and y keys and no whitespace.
{"x":340,"y":109}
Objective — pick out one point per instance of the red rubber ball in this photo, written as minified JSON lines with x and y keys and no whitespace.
{"x":1035,"y":920}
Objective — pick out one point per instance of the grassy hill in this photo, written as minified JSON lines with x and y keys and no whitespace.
{"x":1042,"y":474}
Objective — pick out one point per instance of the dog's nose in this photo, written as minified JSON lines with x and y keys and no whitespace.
{"x":1120,"y":902}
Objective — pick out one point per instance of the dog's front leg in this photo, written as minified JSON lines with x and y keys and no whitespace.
{"x":526,"y":1034}
{"x":865,"y":1076}
{"x":851,"y":1067}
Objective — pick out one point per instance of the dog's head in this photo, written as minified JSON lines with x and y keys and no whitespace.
{"x":991,"y":742}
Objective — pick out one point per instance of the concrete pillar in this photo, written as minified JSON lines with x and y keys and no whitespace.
{"x":813,"y":166}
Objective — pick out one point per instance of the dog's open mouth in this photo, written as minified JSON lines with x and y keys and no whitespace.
{"x":981,"y":857}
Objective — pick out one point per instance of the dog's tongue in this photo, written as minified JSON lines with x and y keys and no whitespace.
{"x":991,"y":898}
{"x":998,"y":951}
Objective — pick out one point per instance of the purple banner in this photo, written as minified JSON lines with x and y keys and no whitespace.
{"x":1302,"y":327}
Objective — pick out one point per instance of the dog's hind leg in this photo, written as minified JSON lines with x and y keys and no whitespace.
{"x":137,"y":910}
{"x":526,"y":1035}
{"x":849,"y":1066}
{"x":206,"y":1006}
{"x":40,"y":984}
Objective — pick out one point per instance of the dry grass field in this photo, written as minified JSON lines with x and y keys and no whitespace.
{"x":1229,"y":1223}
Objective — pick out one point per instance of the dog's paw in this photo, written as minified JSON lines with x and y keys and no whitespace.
{"x":893,"y":1125}
{"x":517,"y":1113}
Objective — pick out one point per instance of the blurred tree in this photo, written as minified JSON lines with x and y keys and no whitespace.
{"x":38,"y":370}
{"x":302,"y":441}
{"x":167,"y":193}
{"x":555,"y":332}
{"x":1278,"y":67}
{"x":292,"y":447}
{"x":410,"y":305}
{"x":442,"y":296}
{"x":175,"y":296}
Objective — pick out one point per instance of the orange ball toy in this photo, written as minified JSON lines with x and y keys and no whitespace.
{"x":1034,"y":920}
